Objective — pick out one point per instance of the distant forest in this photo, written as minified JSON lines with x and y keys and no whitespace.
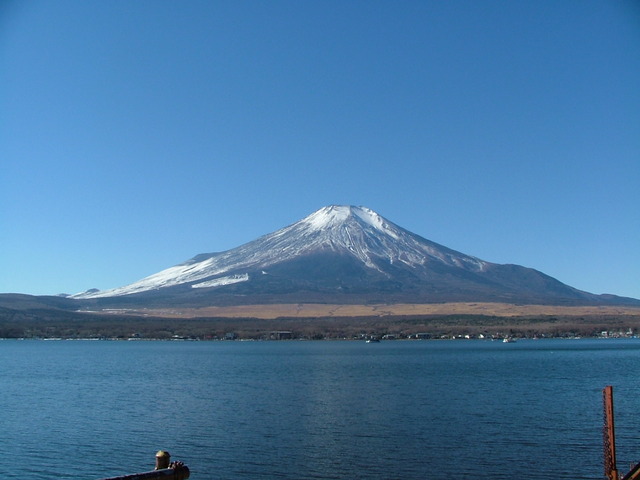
{"x":60,"y":324}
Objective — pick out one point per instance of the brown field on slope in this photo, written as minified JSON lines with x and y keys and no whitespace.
{"x":305,"y":310}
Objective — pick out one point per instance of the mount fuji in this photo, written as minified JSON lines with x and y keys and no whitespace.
{"x":342,"y":255}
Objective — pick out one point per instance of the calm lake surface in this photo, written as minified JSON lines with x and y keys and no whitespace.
{"x":324,"y":410}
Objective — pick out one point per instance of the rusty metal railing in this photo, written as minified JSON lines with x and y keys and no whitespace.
{"x":609,"y":441}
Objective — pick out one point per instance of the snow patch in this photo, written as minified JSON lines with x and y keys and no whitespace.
{"x":376,"y":221}
{"x":183,"y":273}
{"x":218,"y":282}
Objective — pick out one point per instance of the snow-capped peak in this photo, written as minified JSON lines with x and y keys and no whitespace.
{"x":354,"y":231}
{"x":327,"y":217}
{"x":340,"y":252}
{"x":336,"y":215}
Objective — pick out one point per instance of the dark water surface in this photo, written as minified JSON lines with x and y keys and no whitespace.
{"x":325,"y":410}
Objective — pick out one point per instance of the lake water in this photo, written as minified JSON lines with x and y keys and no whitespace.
{"x":324,"y":410}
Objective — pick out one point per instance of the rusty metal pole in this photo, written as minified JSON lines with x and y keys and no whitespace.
{"x":609,"y":435}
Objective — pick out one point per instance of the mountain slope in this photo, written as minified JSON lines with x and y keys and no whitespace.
{"x":342,"y":254}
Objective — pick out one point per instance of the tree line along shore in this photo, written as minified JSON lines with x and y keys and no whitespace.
{"x":78,"y":325}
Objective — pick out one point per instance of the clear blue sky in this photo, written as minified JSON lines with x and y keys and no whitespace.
{"x":137,"y":134}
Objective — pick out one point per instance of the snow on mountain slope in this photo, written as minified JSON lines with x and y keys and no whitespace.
{"x":355,"y":231}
